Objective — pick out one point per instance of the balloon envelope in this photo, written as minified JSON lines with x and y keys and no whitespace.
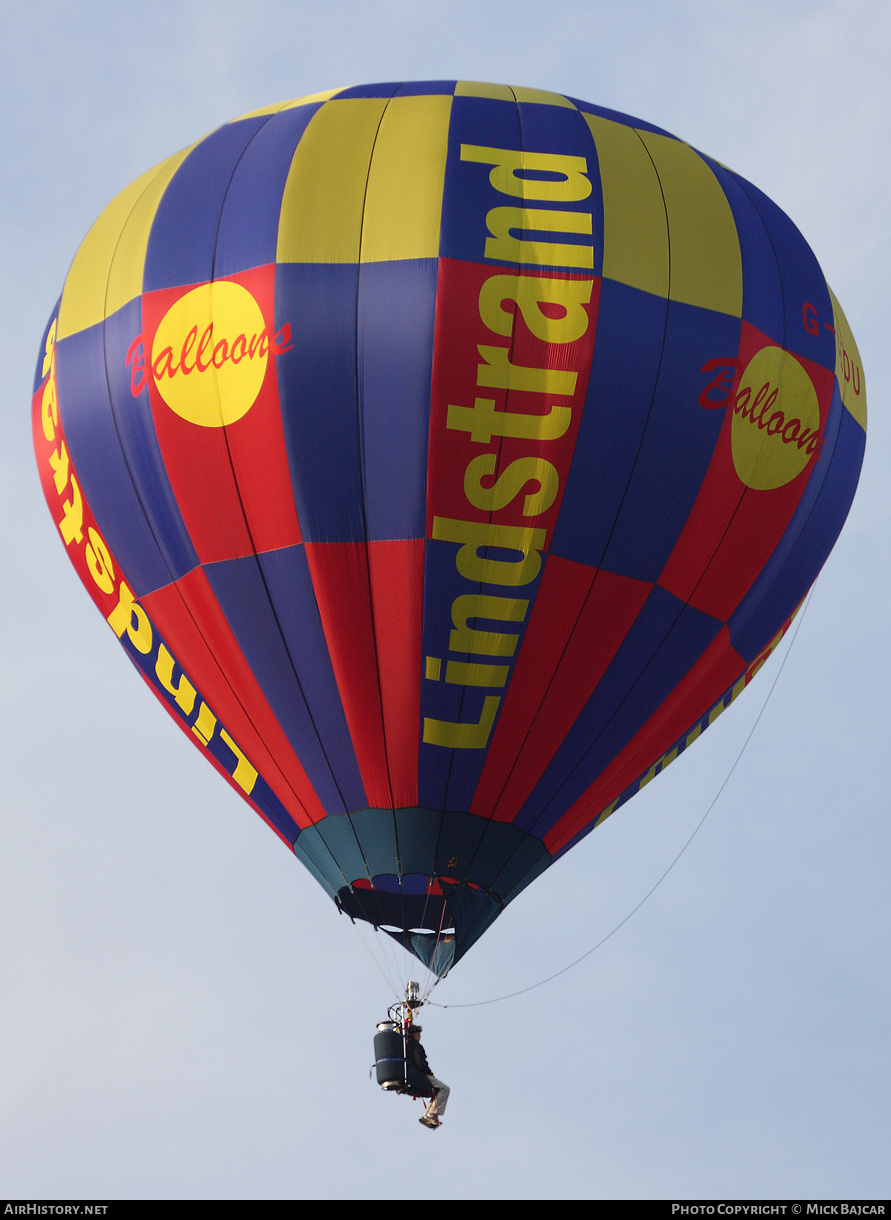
{"x":446,"y":457}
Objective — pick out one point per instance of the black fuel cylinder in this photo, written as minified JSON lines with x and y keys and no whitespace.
{"x":389,"y":1056}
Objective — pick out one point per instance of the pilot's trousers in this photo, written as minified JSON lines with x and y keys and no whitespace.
{"x":436,"y":1105}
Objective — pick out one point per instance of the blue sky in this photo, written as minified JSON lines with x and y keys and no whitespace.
{"x":182,"y":1012}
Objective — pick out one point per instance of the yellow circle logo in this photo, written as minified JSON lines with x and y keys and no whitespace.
{"x":210,"y":353}
{"x":776,"y":420}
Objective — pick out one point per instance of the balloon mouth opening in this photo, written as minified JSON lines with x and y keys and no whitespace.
{"x":396,"y":909}
{"x":422,"y":923}
{"x":435,"y":919}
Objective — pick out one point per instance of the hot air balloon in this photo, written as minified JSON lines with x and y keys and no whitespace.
{"x":445,"y":456}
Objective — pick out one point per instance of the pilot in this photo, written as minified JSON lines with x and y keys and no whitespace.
{"x":437,"y":1104}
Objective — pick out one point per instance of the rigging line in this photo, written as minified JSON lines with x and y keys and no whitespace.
{"x":420,"y":969}
{"x":402,"y":960}
{"x":412,"y":966}
{"x":390,"y":948}
{"x":409,"y":963}
{"x":655,"y":886}
{"x":429,"y":982}
{"x":430,"y":990}
{"x":434,"y":875}
{"x":393,"y":951}
{"x":373,"y":957}
{"x":431,"y":973}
